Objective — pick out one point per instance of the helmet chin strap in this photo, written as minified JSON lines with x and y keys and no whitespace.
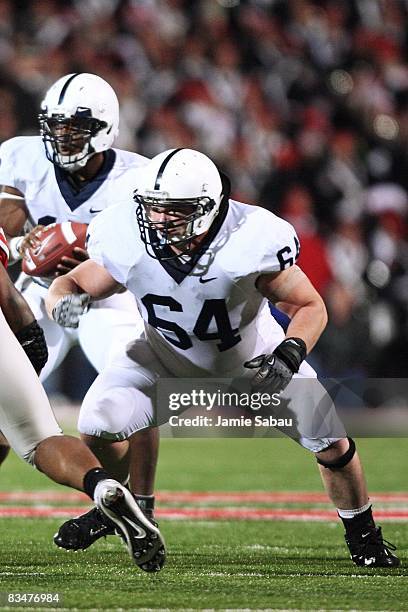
{"x":74,"y":166}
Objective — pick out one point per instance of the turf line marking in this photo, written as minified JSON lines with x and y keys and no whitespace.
{"x":212,"y":514}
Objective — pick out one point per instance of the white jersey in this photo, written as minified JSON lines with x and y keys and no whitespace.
{"x":50,"y":195}
{"x":203,"y":317}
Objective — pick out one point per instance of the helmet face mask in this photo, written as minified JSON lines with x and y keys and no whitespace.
{"x":172,"y":223}
{"x":68,"y":140}
{"x":79,"y":117}
{"x":178,"y":197}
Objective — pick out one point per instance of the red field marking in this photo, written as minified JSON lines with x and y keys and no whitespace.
{"x":32,"y":512}
{"x":168,"y":497}
{"x":43,"y":496}
{"x":209,"y":514}
{"x":266,"y":497}
{"x":266,"y":514}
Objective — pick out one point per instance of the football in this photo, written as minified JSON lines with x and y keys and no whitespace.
{"x":57,"y":240}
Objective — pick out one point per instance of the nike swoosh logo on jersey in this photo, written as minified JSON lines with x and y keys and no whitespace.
{"x":140,"y":532}
{"x":91,"y":210}
{"x":206,"y":280}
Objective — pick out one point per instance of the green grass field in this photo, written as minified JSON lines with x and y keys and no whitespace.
{"x":215,"y":564}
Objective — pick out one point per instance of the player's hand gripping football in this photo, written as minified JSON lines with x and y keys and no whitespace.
{"x":68,"y":310}
{"x":276,"y":369}
{"x":31,"y":240}
{"x":69,"y":263}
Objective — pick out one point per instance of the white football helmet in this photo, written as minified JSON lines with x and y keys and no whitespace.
{"x":79,"y":117}
{"x":178,"y":195}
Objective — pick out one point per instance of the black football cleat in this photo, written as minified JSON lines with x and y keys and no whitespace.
{"x":369,"y":549}
{"x":142,"y":537}
{"x":81,"y":532}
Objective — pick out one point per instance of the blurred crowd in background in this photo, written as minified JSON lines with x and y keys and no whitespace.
{"x":303,"y":103}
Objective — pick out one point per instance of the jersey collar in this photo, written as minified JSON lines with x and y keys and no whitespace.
{"x":179,"y":269}
{"x":74,"y":197}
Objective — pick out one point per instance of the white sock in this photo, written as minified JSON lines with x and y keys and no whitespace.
{"x":349,"y":514}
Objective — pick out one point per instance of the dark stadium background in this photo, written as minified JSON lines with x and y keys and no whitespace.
{"x":304,"y":103}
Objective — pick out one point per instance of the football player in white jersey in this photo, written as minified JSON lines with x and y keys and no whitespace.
{"x":71,"y":173}
{"x":202,"y":267}
{"x":29,"y":424}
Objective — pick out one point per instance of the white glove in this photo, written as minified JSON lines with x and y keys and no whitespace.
{"x":69,"y":308}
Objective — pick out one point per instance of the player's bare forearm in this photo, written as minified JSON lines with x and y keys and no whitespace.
{"x":88,"y":277}
{"x":13,"y":211}
{"x":14,"y":307}
{"x":308,"y":323}
{"x":295,"y":294}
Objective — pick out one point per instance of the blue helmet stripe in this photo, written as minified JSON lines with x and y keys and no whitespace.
{"x":64,"y":89}
{"x":162,"y":167}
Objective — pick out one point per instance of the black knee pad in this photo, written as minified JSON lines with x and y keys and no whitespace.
{"x":341,"y":461}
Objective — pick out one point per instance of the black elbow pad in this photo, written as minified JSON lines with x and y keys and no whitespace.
{"x":32,"y":340}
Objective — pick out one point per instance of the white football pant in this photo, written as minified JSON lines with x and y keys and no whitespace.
{"x":26,"y":417}
{"x":122,"y":399}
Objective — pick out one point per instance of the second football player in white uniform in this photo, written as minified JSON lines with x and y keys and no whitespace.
{"x":202,"y":268}
{"x":72,"y":173}
{"x":75,"y":187}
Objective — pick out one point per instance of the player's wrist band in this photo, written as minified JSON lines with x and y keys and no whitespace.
{"x":14,"y":247}
{"x":292,"y":352}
